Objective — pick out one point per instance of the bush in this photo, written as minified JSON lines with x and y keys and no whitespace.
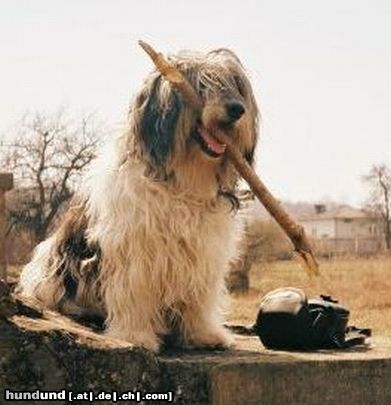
{"x":266,"y":241}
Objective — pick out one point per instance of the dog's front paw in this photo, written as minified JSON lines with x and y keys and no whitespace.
{"x":219,"y":338}
{"x":146,"y":341}
{"x":139,"y":339}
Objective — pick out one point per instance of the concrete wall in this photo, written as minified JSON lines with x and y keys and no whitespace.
{"x":356,"y":228}
{"x":320,"y":228}
{"x":342,"y":228}
{"x":360,"y":235}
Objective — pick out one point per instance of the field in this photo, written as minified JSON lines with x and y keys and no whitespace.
{"x":362,"y":285}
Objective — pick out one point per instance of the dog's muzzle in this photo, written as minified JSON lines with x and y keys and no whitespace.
{"x":223,"y":116}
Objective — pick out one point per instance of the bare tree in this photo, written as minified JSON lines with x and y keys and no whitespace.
{"x":379,"y":180}
{"x":47,"y":155}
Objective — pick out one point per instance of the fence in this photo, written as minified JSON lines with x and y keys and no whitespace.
{"x":359,"y":246}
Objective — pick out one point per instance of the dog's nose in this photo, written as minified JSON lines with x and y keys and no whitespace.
{"x":234,"y":110}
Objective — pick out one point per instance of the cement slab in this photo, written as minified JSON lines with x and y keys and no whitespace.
{"x":251,"y":374}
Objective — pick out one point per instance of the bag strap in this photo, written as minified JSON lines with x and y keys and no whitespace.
{"x":328,"y":298}
{"x":358,"y":338}
{"x":353,"y":336}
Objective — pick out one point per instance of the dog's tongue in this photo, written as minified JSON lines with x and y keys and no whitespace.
{"x":212,"y":143}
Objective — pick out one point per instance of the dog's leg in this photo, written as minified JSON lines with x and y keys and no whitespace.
{"x":203,"y":325}
{"x":132,"y":313}
{"x":202,"y":330}
{"x":138,"y":337}
{"x":133,"y":327}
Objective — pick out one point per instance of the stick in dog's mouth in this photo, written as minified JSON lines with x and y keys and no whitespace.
{"x":207,"y":142}
{"x":214,"y":135}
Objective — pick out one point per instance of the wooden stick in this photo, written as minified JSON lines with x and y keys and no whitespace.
{"x":294,"y":231}
{"x":174,"y":76}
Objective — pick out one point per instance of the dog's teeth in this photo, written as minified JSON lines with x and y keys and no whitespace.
{"x":211,"y":149}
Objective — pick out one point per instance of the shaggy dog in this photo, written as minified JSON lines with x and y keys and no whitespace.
{"x":147,"y":241}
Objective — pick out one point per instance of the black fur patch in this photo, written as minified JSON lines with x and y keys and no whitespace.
{"x":158,"y":125}
{"x":70,"y":284}
{"x":231,"y":197}
{"x":74,"y":250}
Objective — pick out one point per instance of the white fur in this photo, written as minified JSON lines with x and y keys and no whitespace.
{"x":162,"y":249}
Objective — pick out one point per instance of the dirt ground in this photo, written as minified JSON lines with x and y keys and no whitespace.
{"x":362,"y":285}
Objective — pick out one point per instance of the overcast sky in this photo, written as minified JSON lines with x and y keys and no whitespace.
{"x":321,"y":72}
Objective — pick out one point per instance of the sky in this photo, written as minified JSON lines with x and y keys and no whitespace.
{"x":321,"y":72}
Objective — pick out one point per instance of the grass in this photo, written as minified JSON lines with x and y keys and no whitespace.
{"x":362,"y":285}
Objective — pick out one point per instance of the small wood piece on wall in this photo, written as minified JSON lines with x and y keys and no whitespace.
{"x":6,"y":183}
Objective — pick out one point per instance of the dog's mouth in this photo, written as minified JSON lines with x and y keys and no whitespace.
{"x":207,"y":143}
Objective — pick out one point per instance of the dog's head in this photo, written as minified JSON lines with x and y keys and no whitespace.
{"x":171,"y":138}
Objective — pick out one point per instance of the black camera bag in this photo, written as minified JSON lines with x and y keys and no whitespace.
{"x":288,"y":320}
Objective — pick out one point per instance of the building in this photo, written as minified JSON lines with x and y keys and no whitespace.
{"x":343,"y":229}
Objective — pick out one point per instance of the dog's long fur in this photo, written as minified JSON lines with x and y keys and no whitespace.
{"x":147,"y":241}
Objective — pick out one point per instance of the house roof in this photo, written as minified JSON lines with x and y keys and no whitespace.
{"x":340,"y":212}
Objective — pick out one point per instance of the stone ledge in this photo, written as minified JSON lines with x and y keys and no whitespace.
{"x":50,"y":352}
{"x":251,"y":374}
